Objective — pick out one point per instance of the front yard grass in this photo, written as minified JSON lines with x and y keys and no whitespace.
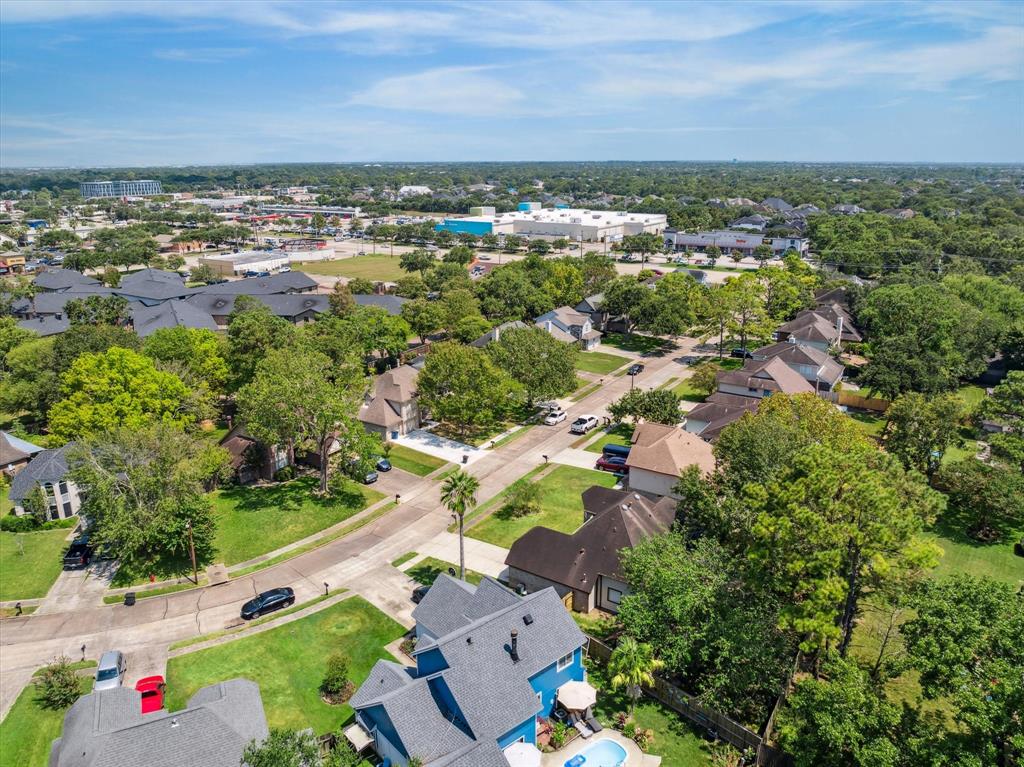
{"x":254,"y":520}
{"x":380,"y":267}
{"x":688,"y":392}
{"x":675,"y":740}
{"x":30,"y":574}
{"x":619,"y":434}
{"x":426,"y":571}
{"x":966,"y":555}
{"x":633,"y":343}
{"x":413,"y":461}
{"x":288,"y":663}
{"x":28,"y":730}
{"x":561,"y":506}
{"x":869,"y":424}
{"x":599,"y":363}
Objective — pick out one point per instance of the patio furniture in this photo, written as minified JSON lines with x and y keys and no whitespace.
{"x":577,"y":696}
{"x":522,"y":755}
{"x":583,"y":730}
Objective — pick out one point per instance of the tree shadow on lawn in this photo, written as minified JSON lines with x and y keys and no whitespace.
{"x":289,"y":496}
{"x":954,"y":525}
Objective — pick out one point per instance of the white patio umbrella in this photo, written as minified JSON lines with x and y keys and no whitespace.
{"x":577,"y":696}
{"x":522,"y":755}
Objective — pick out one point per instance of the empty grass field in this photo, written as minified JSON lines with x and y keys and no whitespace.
{"x":600,"y":363}
{"x":254,"y":520}
{"x":29,"y":729}
{"x":288,"y":663}
{"x":379,"y":267}
{"x":30,"y":563}
{"x":561,"y":506}
{"x":413,"y":461}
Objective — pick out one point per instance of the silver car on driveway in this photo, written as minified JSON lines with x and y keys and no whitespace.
{"x":110,"y":672}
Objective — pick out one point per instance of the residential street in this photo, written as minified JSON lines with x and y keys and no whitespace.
{"x":359,"y":562}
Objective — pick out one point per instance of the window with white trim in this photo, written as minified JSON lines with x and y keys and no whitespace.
{"x":565,"y":661}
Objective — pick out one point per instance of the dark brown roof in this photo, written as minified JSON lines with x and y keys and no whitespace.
{"x":620,"y":520}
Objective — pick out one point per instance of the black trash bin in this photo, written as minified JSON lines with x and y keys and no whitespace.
{"x":129,"y":599}
{"x":465,"y":457}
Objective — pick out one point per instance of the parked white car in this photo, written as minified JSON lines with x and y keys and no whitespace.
{"x":583,"y":424}
{"x":110,"y":671}
{"x":555,"y":417}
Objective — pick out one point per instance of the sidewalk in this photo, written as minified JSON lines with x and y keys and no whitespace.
{"x":440,"y":447}
{"x":482,"y":557}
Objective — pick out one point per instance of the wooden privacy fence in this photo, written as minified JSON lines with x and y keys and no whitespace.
{"x":849,"y":399}
{"x":717,"y":724}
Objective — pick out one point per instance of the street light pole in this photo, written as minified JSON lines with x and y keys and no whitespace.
{"x":192,"y":553}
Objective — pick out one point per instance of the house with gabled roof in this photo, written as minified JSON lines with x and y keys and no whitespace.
{"x":568,"y":325}
{"x":763,"y":378}
{"x":816,"y":366}
{"x":707,"y":419}
{"x":47,"y":469}
{"x":393,"y":406}
{"x":659,"y":453}
{"x":584,"y":567}
{"x":63,"y":279}
{"x":488,"y":666}
{"x":15,"y":453}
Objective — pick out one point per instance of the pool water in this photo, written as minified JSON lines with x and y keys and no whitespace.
{"x":604,"y":753}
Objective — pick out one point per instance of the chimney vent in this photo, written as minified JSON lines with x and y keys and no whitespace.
{"x":515,"y":646}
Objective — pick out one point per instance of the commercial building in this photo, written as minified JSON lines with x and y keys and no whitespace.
{"x":744,"y":242}
{"x":326,"y":210}
{"x":571,"y":223}
{"x":230,"y":264}
{"x":119,"y":188}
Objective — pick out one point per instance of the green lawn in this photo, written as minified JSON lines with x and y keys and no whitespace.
{"x":633,"y":343}
{"x":426,"y":571}
{"x":600,"y":363}
{"x":288,"y":663}
{"x":254,"y":520}
{"x":413,"y":461}
{"x":28,"y":730}
{"x":618,"y":435}
{"x":870,"y":425}
{"x":30,"y":575}
{"x":971,"y":395}
{"x":403,"y":559}
{"x":965,"y":555}
{"x":675,"y":741}
{"x":561,"y":506}
{"x":686,"y":390}
{"x":379,"y":267}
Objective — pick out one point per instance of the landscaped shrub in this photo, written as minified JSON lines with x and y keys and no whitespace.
{"x":59,"y":524}
{"x":559,"y":734}
{"x":12,"y":524}
{"x":523,"y":498}
{"x":629,"y":730}
{"x":643,"y":737}
{"x":284,"y":474}
{"x":621,"y":718}
{"x":336,"y":686}
{"x":58,"y":684}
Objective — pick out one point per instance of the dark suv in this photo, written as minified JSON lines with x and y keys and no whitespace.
{"x":78,"y":554}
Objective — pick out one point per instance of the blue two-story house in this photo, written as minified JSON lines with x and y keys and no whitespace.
{"x":488,"y":666}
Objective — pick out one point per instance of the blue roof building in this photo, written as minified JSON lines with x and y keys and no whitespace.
{"x":488,"y":665}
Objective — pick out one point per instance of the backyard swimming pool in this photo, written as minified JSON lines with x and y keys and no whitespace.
{"x":604,"y":753}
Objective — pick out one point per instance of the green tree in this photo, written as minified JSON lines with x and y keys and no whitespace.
{"x":98,"y":310}
{"x":340,"y":300}
{"x":457,"y":305}
{"x":460,"y":254}
{"x":336,"y":683}
{"x":300,"y":398}
{"x":713,"y":253}
{"x":64,"y":239}
{"x":124,"y":246}
{"x":656,"y":406}
{"x":424,"y":317}
{"x":201,"y":351}
{"x":118,"y":387}
{"x":468,"y":329}
{"x":111,"y":277}
{"x":253,"y":331}
{"x":540,"y":247}
{"x":410,"y":286}
{"x":489,"y":241}
{"x":544,"y":366}
{"x":985,"y":499}
{"x":645,"y":243}
{"x":704,"y":377}
{"x":559,"y":244}
{"x":319,"y":222}
{"x":513,"y":242}
{"x":633,"y":666}
{"x":716,"y":311}
{"x":763,"y":253}
{"x":458,"y":494}
{"x":967,"y":641}
{"x":284,"y":748}
{"x":418,"y":260}
{"x":840,"y":721}
{"x":360,"y":286}
{"x":37,"y":504}
{"x":833,"y":525}
{"x":30,"y":380}
{"x":920,"y":429}
{"x":522,"y":499}
{"x":57,"y":684}
{"x":749,"y":308}
{"x":628,"y":298}
{"x":203,"y":273}
{"x":374,"y":331}
{"x":147,"y":498}
{"x":1006,"y":406}
{"x":460,"y":385}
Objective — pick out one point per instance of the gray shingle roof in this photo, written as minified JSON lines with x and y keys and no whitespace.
{"x":451,"y":604}
{"x":170,"y":314}
{"x":46,"y":326}
{"x":392,"y":304}
{"x":62,"y":279}
{"x":108,"y":729}
{"x":47,"y":466}
{"x":288,"y":282}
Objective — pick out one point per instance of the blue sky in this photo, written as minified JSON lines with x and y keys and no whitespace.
{"x":115,"y":82}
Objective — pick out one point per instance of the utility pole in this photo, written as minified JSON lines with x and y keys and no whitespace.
{"x":192,"y":553}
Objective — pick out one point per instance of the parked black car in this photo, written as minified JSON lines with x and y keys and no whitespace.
{"x":740,"y":353}
{"x":635,"y":369}
{"x":418,"y":593}
{"x":267,"y":602}
{"x":383,"y":464}
{"x":78,"y":554}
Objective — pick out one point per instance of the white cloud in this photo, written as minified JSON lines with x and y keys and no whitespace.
{"x":465,"y":91}
{"x":201,"y":55}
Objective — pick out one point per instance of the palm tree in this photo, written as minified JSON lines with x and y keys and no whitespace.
{"x":633,"y":665}
{"x":458,"y":494}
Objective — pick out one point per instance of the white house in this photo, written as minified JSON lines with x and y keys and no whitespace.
{"x":48,"y":469}
{"x":567,"y":324}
